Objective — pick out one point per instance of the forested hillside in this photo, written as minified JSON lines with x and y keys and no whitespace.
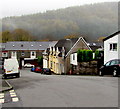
{"x":91,"y":21}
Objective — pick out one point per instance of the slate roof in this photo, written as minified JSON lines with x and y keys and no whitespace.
{"x":28,"y":45}
{"x":67,"y":44}
{"x":2,"y":46}
{"x":95,"y":46}
{"x":116,"y":33}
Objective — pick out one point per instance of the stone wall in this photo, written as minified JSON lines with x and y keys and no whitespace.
{"x":87,"y":68}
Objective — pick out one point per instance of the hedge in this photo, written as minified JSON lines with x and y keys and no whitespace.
{"x":84,"y":55}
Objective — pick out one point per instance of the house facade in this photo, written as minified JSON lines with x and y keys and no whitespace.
{"x":112,"y":47}
{"x":3,"y":52}
{"x":59,"y":55}
{"x":25,"y":50}
{"x":46,"y":55}
{"x":91,"y":46}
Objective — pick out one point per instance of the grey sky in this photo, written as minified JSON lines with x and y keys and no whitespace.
{"x":22,"y":7}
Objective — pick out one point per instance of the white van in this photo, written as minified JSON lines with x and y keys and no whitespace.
{"x":11,"y":68}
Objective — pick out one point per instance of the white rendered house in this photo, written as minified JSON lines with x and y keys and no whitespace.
{"x":112,"y":47}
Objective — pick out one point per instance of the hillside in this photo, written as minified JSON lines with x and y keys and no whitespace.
{"x":91,"y":21}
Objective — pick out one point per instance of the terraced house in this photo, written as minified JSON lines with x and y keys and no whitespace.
{"x":26,"y":50}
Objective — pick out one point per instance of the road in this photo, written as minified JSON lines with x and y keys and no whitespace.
{"x":36,"y":90}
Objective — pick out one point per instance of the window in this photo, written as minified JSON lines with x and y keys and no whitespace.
{"x":113,"y":47}
{"x":4,"y":54}
{"x":107,"y":64}
{"x":22,"y":45}
{"x":73,"y":56}
{"x":22,"y":54}
{"x":33,"y":53}
{"x":113,"y":63}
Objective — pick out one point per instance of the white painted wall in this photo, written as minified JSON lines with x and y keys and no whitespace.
{"x":73,"y":62}
{"x":4,"y":54}
{"x":45,"y":63}
{"x":119,"y":46}
{"x":13,"y":54}
{"x":109,"y":55}
{"x":31,"y":54}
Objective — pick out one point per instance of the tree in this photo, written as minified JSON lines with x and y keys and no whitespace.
{"x":21,"y":35}
{"x":100,"y":39}
{"x":70,"y":36}
{"x":6,"y":36}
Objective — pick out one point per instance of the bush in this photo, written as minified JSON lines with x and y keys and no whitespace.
{"x":79,"y":56}
{"x":98,"y":54}
{"x":40,"y":60}
{"x":84,"y":55}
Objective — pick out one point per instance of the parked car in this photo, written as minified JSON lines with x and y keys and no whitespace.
{"x":11,"y":68}
{"x":33,"y":69}
{"x":38,"y":70}
{"x":28,"y":65}
{"x":1,"y":67}
{"x":110,"y":68}
{"x":46,"y":71}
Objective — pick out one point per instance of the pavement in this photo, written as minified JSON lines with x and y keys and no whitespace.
{"x":5,"y":86}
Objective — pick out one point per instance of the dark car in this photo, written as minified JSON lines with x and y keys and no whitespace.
{"x":1,"y":67}
{"x":46,"y":71}
{"x":110,"y":68}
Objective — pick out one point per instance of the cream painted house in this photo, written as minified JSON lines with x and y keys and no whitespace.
{"x":59,"y":55}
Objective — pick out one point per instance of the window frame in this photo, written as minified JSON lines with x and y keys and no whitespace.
{"x":113,"y":46}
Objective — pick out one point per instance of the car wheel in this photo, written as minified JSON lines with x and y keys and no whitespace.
{"x":100,"y":73}
{"x":114,"y":72}
{"x":5,"y":76}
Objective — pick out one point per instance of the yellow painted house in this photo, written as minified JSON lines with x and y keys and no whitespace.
{"x":59,"y":55}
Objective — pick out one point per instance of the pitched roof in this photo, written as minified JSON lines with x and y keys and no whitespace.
{"x":95,"y":46}
{"x":66,"y":43}
{"x":83,"y":40}
{"x":116,"y":33}
{"x":28,"y":45}
{"x":2,"y":46}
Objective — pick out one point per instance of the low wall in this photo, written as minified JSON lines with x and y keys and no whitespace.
{"x":87,"y":68}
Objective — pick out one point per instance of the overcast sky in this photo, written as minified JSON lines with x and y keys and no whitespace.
{"x":22,"y":7}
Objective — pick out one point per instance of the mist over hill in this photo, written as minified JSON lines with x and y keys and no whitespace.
{"x":91,"y":21}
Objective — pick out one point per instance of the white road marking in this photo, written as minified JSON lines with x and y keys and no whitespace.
{"x":2,"y":100}
{"x":15,"y":99}
{"x":13,"y":95}
{"x":11,"y":91}
{"x":1,"y":95}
